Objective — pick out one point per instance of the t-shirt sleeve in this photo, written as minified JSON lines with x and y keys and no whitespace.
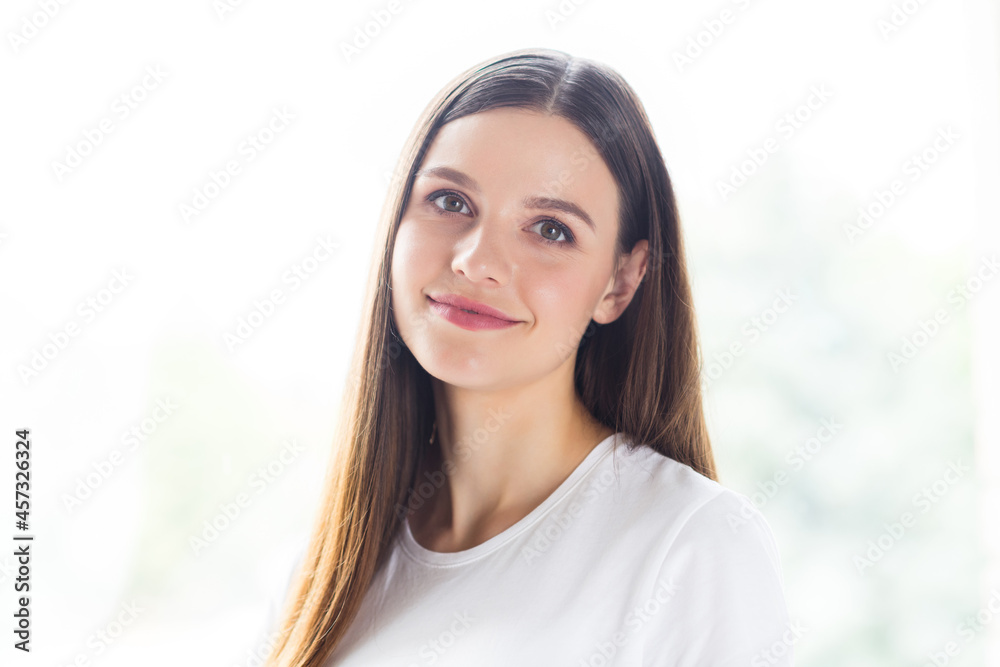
{"x":726,"y":604}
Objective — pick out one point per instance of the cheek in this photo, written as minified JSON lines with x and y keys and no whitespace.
{"x":409,"y":255}
{"x":416,"y":265}
{"x":563,"y":300}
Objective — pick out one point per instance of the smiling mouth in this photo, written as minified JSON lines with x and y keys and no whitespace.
{"x":469,"y":319}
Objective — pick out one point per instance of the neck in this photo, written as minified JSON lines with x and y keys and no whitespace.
{"x":503,"y":452}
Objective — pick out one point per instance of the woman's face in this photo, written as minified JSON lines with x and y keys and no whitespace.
{"x":499,"y":214}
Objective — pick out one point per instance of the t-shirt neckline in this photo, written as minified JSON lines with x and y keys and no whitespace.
{"x":426,"y":556}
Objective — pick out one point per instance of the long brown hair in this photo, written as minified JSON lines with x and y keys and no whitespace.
{"x":639,"y":375}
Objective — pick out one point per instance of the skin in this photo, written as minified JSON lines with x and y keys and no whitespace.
{"x":480,"y":242}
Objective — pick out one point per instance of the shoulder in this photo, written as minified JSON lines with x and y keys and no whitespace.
{"x":716,"y":554}
{"x":680,"y":495}
{"x":694,"y":511}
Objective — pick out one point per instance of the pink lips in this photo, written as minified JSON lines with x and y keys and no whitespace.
{"x":453,"y":307}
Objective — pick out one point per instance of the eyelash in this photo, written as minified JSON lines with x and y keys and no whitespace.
{"x":570,"y":239}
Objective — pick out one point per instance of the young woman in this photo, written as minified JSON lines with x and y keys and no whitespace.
{"x":523,"y":474}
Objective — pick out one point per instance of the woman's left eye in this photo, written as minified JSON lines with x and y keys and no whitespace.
{"x":554,"y":227}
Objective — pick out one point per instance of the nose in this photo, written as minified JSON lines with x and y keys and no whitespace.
{"x":481,"y":252}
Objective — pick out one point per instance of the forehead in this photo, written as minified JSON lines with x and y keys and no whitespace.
{"x":526,"y":153}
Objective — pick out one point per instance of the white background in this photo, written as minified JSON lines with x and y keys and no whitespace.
{"x":162,"y":335}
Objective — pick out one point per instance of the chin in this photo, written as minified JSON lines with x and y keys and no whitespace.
{"x":449,"y":364}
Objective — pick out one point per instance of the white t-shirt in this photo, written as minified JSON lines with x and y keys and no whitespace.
{"x":635,"y":560}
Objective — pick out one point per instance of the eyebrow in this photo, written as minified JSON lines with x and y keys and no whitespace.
{"x":528,"y":202}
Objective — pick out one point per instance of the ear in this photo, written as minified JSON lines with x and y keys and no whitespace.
{"x":622,"y":285}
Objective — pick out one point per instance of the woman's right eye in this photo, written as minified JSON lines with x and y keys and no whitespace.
{"x":452,"y":202}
